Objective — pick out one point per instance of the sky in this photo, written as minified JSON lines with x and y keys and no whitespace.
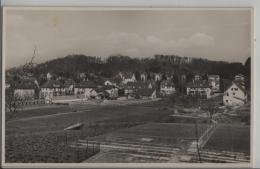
{"x":222,"y":35}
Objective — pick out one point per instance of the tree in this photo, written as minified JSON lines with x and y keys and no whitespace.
{"x":11,"y":102}
{"x":248,"y":73}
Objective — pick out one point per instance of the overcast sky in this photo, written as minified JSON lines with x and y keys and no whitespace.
{"x":212,"y":34}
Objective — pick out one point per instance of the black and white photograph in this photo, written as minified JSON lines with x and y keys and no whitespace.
{"x":127,"y":85}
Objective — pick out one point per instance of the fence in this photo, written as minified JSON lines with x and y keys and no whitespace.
{"x":207,"y":134}
{"x":30,"y":102}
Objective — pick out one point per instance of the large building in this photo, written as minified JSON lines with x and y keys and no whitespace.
{"x":236,"y":93}
{"x":198,"y":88}
{"x":167,"y":88}
{"x":52,"y":88}
{"x":26,"y":90}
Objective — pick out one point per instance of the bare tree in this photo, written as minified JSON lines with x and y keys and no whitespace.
{"x":11,"y":103}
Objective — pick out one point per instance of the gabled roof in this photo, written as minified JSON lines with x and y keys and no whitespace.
{"x":26,"y":84}
{"x":52,"y":84}
{"x":198,"y":84}
{"x":167,"y":83}
{"x":240,"y":86}
{"x":86,"y":84}
{"x":127,"y":75}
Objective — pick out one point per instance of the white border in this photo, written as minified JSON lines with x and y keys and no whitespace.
{"x":118,"y":165}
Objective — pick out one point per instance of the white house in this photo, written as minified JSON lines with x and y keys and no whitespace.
{"x":81,"y":88}
{"x":214,"y":82}
{"x":110,"y":82}
{"x":51,"y":89}
{"x":89,"y":93}
{"x":235,"y":95}
{"x":167,"y":87}
{"x":128,"y":77}
{"x":198,"y":88}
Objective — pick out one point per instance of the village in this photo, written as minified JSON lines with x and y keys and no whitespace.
{"x":129,"y":114}
{"x":125,"y":86}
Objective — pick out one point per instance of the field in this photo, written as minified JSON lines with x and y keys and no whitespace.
{"x":29,"y":130}
{"x":233,"y":138}
{"x":154,"y":142}
{"x":127,"y":131}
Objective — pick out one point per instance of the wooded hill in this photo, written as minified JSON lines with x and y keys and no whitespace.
{"x":71,"y":66}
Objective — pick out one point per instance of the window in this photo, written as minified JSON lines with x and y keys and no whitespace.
{"x":232,"y":89}
{"x":236,"y":89}
{"x":234,"y":93}
{"x":227,"y":94}
{"x":226,"y":101}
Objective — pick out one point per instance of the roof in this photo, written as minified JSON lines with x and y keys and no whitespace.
{"x":167,"y":83}
{"x":137,"y":85}
{"x":213,"y":76}
{"x":26,"y":85}
{"x":145,"y":92}
{"x":240,"y":86}
{"x":198,"y":84}
{"x":52,"y":84}
{"x":127,"y":75}
{"x":69,"y":82}
{"x":108,"y":87}
{"x":86,"y":84}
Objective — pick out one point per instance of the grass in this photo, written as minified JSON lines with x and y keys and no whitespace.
{"x":234,"y":138}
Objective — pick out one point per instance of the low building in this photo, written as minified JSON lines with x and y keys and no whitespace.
{"x":198,"y":88}
{"x":69,"y":85}
{"x":25,"y":90}
{"x":52,"y":88}
{"x":235,"y":94}
{"x":81,"y":88}
{"x":167,"y":87}
{"x":214,"y":83}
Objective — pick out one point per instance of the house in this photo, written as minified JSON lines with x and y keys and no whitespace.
{"x":214,"y":83}
{"x":198,"y":88}
{"x":90,"y":93}
{"x":26,"y":90}
{"x":132,"y":87}
{"x":52,"y":88}
{"x":109,"y":82}
{"x":112,"y":91}
{"x":128,"y":77}
{"x":69,"y":86}
{"x":235,"y":94}
{"x":81,"y":88}
{"x":146,"y":93}
{"x":167,"y":87}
